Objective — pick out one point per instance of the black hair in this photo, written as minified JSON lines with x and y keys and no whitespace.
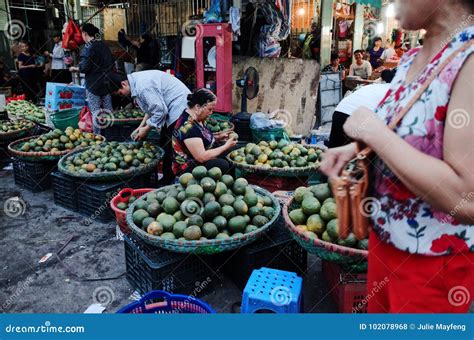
{"x":200,"y":97}
{"x":90,"y":29}
{"x":377,"y":39}
{"x":113,"y":81}
{"x":387,"y":75}
{"x":359,"y":51}
{"x":334,"y":56}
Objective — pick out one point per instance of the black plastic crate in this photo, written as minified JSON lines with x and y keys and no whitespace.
{"x":65,"y":190}
{"x":93,"y":198}
{"x":40,"y":129}
{"x":276,"y":249}
{"x":150,"y":268}
{"x":118,"y":132}
{"x":33,"y":176}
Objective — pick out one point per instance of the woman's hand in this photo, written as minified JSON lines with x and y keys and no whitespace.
{"x":363,"y":124}
{"x":74,"y":69}
{"x":140,"y":133}
{"x":230,"y":143}
{"x":335,"y":159}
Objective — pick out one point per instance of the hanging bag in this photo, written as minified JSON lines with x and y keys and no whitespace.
{"x":350,"y":187}
{"x":85,"y":120}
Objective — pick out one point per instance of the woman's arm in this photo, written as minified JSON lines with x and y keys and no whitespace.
{"x":199,"y":153}
{"x":351,"y":70}
{"x":22,"y":66}
{"x":447,"y":185}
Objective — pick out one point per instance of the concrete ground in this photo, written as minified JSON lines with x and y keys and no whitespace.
{"x":67,"y":285}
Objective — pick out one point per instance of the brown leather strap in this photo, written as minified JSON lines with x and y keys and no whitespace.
{"x":394,"y":122}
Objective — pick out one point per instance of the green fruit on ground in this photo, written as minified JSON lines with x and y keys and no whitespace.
{"x":349,"y":241}
{"x":220,"y":222}
{"x":228,"y":180}
{"x":226,"y":199}
{"x":208,"y":197}
{"x":141,"y":204}
{"x":122,"y":206}
{"x":250,"y":228}
{"x":315,"y":224}
{"x":215,"y":173}
{"x":167,"y":221}
{"x":333,"y":228}
{"x":181,"y":196}
{"x":330,"y":199}
{"x":240,"y":186}
{"x":155,"y":228}
{"x":171,"y":205}
{"x":208,"y":184}
{"x":326,"y":237}
{"x":192,"y":232}
{"x":195,"y":220}
{"x":247,"y":219}
{"x":194,"y":190}
{"x":199,"y":172}
{"x":179,"y":216}
{"x":209,"y":230}
{"x":363,"y":244}
{"x":267,"y":201}
{"x":168,"y":236}
{"x":222,"y":236}
{"x":268,"y":212}
{"x":310,"y":205}
{"x":139,"y":215}
{"x":237,"y":224}
{"x":297,"y":216}
{"x":259,"y":220}
{"x":240,"y":207}
{"x":253,"y":211}
{"x":179,"y":228}
{"x":250,"y":159}
{"x":160,"y":196}
{"x":211,"y":210}
{"x":185,"y":178}
{"x":173,"y":192}
{"x":191,"y":207}
{"x":193,"y":181}
{"x":251,"y":199}
{"x":328,"y":211}
{"x":220,"y":190}
{"x":299,"y":193}
{"x":227,"y":211}
{"x":146,"y":221}
{"x":321,"y":191}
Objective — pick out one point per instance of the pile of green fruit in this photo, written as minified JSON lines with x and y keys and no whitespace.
{"x":129,"y":114}
{"x":217,"y":126}
{"x":58,"y":140}
{"x":282,"y":154}
{"x":124,"y":205}
{"x":314,"y":214}
{"x":205,"y":205}
{"x":8,"y":126}
{"x":110,"y":157}
{"x":23,"y":108}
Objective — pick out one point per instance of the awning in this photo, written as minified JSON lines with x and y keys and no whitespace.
{"x":373,"y":3}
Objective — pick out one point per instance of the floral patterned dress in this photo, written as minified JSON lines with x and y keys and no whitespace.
{"x":405,"y":220}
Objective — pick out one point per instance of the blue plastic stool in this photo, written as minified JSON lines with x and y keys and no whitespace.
{"x":271,"y":289}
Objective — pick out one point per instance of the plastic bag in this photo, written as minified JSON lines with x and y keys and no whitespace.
{"x":214,"y":12}
{"x":72,"y":37}
{"x":85,"y":120}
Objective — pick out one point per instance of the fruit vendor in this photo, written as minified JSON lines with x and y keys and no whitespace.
{"x":422,"y":195}
{"x":193,"y":141}
{"x":163,"y":98}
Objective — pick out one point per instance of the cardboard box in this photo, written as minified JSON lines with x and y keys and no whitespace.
{"x":64,"y":104}
{"x":58,"y":91}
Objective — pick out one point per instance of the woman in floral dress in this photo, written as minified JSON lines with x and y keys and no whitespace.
{"x":422,"y":240}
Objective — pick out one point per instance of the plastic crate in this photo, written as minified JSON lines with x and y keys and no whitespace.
{"x":276,"y":183}
{"x":65,"y":190}
{"x":119,"y":132}
{"x":120,"y":215}
{"x":276,"y":249}
{"x":40,"y":129}
{"x":348,"y":289}
{"x":33,"y":176}
{"x":94,"y":198}
{"x":65,"y":118}
{"x":151,"y":268}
